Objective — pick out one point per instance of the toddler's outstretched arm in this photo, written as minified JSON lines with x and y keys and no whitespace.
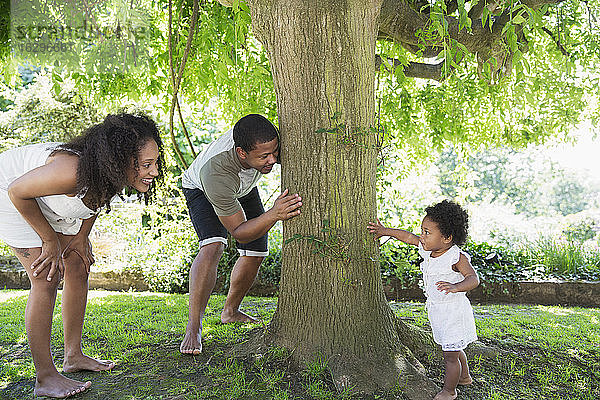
{"x":378,"y":230}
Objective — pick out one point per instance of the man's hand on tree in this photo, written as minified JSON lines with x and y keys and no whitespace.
{"x":287,"y":206}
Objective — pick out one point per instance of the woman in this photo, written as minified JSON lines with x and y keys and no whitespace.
{"x":50,"y":196}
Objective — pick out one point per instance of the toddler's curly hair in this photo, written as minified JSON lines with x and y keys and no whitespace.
{"x":451,"y":219}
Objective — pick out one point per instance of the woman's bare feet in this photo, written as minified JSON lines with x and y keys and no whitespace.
{"x":445,"y":395}
{"x":192,"y":343}
{"x":467,"y":380}
{"x":59,"y":386}
{"x":84,"y":363}
{"x":228,"y":317}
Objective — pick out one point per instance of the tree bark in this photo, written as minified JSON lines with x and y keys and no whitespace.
{"x":331,"y":300}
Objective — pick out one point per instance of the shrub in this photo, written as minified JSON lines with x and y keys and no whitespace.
{"x":566,"y":259}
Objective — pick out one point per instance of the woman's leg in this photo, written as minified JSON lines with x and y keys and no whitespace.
{"x":74,"y":300}
{"x":38,"y":324}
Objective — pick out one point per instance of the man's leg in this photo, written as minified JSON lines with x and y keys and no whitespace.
{"x":242,"y":277}
{"x":203,"y":276}
{"x":246,"y":268}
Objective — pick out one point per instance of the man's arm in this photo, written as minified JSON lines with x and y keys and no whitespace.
{"x":244,"y":231}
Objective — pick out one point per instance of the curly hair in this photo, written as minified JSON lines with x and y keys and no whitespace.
{"x":451,"y":219}
{"x":105,"y":154}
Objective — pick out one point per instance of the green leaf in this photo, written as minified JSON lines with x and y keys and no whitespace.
{"x":518,"y":20}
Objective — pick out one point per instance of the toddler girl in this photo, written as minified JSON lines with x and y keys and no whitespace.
{"x":447,"y":275}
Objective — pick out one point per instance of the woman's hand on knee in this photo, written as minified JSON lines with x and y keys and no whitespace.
{"x":48,"y":258}
{"x":81,"y":246}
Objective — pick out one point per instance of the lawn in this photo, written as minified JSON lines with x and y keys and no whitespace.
{"x":546,"y":352}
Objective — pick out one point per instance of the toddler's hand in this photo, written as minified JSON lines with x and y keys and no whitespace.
{"x":446,"y":287}
{"x":376,"y":229}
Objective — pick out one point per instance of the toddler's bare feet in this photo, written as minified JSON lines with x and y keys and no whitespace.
{"x":59,"y":386}
{"x":228,"y":317}
{"x":467,"y":380}
{"x":445,"y":395}
{"x":82,"y":362}
{"x":192,"y":342}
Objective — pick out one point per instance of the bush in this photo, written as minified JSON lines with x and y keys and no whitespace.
{"x":158,"y":242}
{"x":566,"y":259}
{"x":163,"y":250}
{"x":581,"y":227}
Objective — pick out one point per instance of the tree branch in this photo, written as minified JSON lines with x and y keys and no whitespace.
{"x":501,"y":21}
{"x":175,"y":88}
{"x":412,"y":30}
{"x":477,"y":10}
{"x":556,"y":40}
{"x":451,"y":6}
{"x":176,"y":80}
{"x":418,"y":70}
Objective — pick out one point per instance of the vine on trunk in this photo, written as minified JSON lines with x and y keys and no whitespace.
{"x":354,"y":137}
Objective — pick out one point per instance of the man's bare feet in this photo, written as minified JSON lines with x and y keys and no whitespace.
{"x":228,"y":317}
{"x":84,"y":363}
{"x":467,"y":380}
{"x":445,"y":395}
{"x":59,"y":386}
{"x":192,"y":343}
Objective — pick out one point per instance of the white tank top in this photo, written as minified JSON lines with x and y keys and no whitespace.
{"x":20,"y":160}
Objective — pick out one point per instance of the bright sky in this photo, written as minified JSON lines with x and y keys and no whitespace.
{"x":585,"y":154}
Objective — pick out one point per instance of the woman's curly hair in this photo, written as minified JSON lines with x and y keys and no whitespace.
{"x":451,"y":219}
{"x":106,"y":151}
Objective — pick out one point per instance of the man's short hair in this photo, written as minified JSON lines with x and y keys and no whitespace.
{"x":252,"y":130}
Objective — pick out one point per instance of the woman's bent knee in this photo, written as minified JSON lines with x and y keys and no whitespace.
{"x":75,"y":269}
{"x":41,"y":282}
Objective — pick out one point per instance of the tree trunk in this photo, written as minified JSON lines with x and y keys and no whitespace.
{"x":331,"y":300}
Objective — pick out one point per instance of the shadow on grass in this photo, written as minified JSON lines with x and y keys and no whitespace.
{"x":546,"y":353}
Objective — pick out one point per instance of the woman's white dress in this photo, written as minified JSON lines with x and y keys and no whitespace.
{"x":450,"y":315}
{"x":64,"y":213}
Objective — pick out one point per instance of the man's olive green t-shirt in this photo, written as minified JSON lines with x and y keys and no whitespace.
{"x":219,"y":173}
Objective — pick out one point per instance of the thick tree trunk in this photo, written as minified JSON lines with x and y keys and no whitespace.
{"x":331,"y":301}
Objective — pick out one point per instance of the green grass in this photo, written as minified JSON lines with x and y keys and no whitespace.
{"x":547,"y":353}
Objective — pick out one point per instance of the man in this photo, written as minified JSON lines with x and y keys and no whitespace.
{"x":221,"y":196}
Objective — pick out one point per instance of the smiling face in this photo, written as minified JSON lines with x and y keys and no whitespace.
{"x":141,"y":178}
{"x":432,"y":239}
{"x":262,"y":157}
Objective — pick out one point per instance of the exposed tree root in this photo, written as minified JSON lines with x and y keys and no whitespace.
{"x":367,"y":374}
{"x":402,"y":371}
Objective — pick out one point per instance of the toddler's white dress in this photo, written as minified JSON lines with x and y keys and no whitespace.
{"x":63,"y":213}
{"x":450,"y":315}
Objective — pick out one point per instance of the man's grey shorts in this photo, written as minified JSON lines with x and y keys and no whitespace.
{"x":209,"y":228}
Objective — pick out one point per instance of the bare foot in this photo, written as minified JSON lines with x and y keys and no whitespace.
{"x":192,"y":343}
{"x":228,"y":317}
{"x":59,"y":386}
{"x":85,"y":363}
{"x":466,"y":380}
{"x":445,"y":395}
